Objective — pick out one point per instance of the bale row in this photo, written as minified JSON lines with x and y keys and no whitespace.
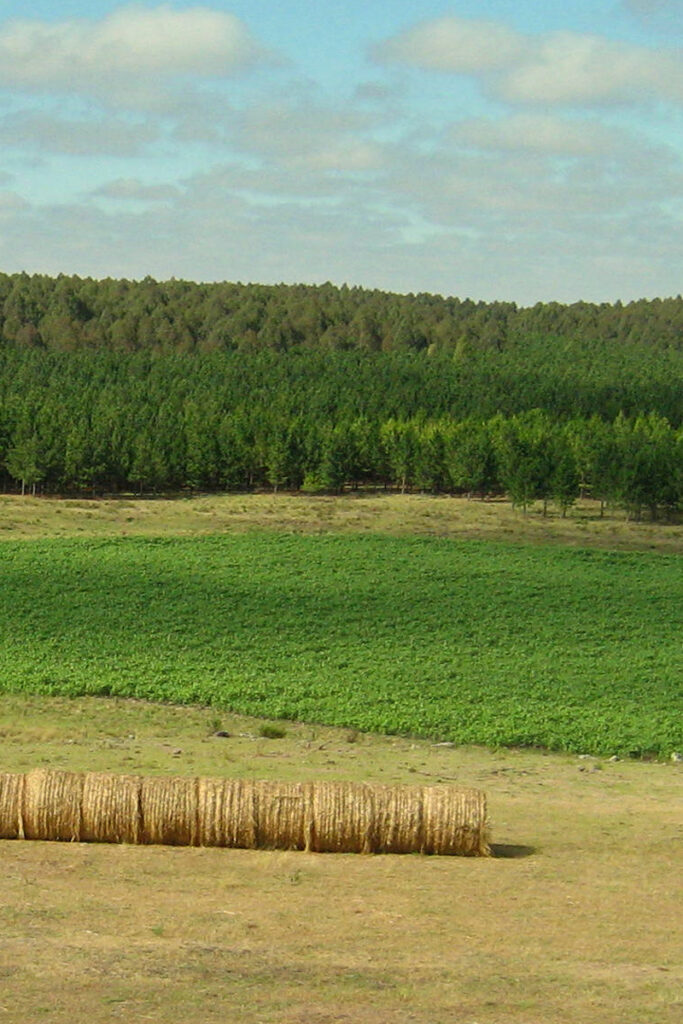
{"x":336,"y":817}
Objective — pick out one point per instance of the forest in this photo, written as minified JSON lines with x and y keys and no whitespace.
{"x":114,"y":386}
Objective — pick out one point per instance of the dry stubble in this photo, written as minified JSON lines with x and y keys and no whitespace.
{"x":577,"y":921}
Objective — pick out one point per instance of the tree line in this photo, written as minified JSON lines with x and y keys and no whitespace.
{"x":69,"y":313}
{"x":536,"y":429}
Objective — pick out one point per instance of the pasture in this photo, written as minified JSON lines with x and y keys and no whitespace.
{"x":575,"y":921}
{"x":463,"y":621}
{"x":398,"y":515}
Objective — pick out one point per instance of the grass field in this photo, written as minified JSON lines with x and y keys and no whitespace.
{"x":575,"y":921}
{"x":454,"y":618}
{"x":362,"y":512}
{"x":475,"y":642}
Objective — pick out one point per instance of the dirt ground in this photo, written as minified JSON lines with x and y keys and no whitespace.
{"x":576,"y":919}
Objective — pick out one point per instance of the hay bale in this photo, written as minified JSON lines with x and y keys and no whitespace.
{"x":399,"y":814}
{"x":343,"y":818}
{"x":283,"y":815}
{"x":169,"y":812}
{"x":455,"y":821}
{"x":11,"y":793}
{"x":330,"y":817}
{"x":51,"y":805}
{"x":110,"y":809}
{"x":226,"y":813}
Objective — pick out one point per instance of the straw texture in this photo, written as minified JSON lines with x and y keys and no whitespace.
{"x":169,"y":812}
{"x":110,"y":812}
{"x":324,"y":817}
{"x":343,"y":818}
{"x":399,"y":819}
{"x":282,"y":815}
{"x":227,"y":813}
{"x":455,"y":821}
{"x":51,"y":805}
{"x":11,"y":792}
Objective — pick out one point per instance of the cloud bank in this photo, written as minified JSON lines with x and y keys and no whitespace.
{"x":127,"y":148}
{"x":558,"y":68}
{"x":129,"y":45}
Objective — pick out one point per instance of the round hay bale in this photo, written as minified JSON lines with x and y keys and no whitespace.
{"x":226,"y":813}
{"x":334,"y":817}
{"x":399,"y":812}
{"x":110,"y":810}
{"x":283,"y":814}
{"x":169,"y":812}
{"x":11,"y":792}
{"x":51,"y":805}
{"x":455,"y":821}
{"x":343,"y":818}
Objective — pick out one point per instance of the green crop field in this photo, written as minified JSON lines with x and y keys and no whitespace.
{"x":487,"y":643}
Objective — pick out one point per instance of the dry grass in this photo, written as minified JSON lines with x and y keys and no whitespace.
{"x":575,"y":921}
{"x":351,"y":513}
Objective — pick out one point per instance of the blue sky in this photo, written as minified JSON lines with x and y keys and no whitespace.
{"x":497,"y":150}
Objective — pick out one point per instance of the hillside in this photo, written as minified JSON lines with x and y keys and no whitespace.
{"x":117,"y":386}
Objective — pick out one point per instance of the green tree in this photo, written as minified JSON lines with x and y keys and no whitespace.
{"x":524,"y":452}
{"x":23,"y":462}
{"x":564,"y":475}
{"x":471,"y":458}
{"x":431,"y":473}
{"x":399,"y":439}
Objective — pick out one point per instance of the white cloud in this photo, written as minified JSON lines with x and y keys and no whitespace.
{"x":132,"y":189}
{"x":111,"y":136}
{"x":280,"y":182}
{"x":554,"y":68}
{"x":126,"y":46}
{"x":456,"y":45}
{"x":567,"y":68}
{"x":308,"y":136}
{"x":540,"y":133}
{"x":537,"y":254}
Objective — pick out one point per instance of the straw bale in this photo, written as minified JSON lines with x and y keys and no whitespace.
{"x":51,"y":805}
{"x":283,"y":814}
{"x":169,"y":812}
{"x":110,"y":811}
{"x":226,"y":813}
{"x":399,"y":812}
{"x":455,"y":821}
{"x":343,"y":818}
{"x":11,"y":792}
{"x":335,"y":817}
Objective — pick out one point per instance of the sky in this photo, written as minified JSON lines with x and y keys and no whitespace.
{"x":519,"y":151}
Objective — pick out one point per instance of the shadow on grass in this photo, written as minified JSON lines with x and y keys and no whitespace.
{"x":510,"y":851}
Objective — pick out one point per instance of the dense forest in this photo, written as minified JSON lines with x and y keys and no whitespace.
{"x":112,"y":386}
{"x":69,"y":313}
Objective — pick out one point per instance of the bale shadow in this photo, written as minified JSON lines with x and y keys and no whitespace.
{"x":511,"y":851}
